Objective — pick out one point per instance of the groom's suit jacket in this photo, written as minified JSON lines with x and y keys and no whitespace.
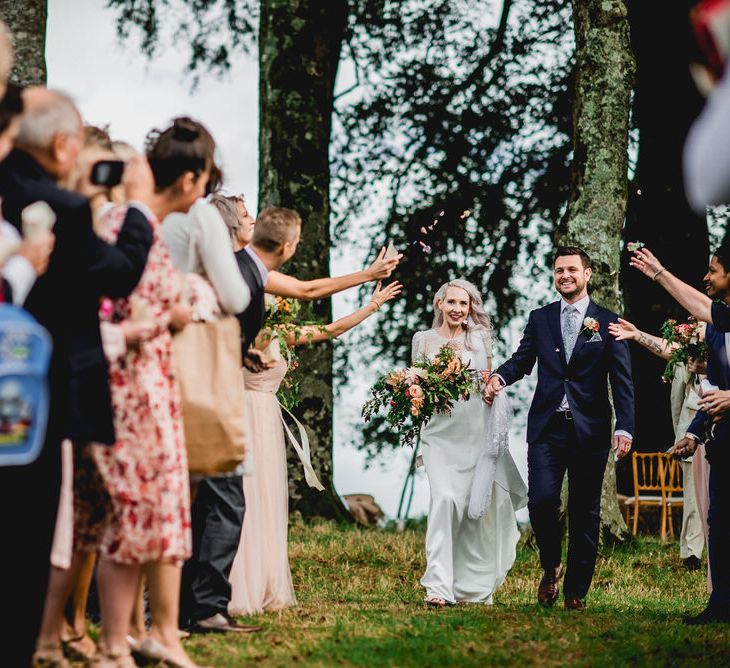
{"x":583,"y":378}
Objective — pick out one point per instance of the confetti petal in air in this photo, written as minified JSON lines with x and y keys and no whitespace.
{"x":425,"y":247}
{"x":424,"y":230}
{"x":465,"y":214}
{"x":441,"y":213}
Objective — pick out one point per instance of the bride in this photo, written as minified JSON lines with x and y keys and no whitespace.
{"x":475,"y":487}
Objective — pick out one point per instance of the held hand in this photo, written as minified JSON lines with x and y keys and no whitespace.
{"x":37,"y":251}
{"x":697,"y":366}
{"x":623,"y":330}
{"x":645,"y":261}
{"x":180,"y":316}
{"x":384,"y":294}
{"x":621,"y":445}
{"x":137,"y":331}
{"x":137,"y":179}
{"x":715,"y":402}
{"x":684,"y":448}
{"x":383,"y":268}
{"x":254,"y":361}
{"x":492,"y":389}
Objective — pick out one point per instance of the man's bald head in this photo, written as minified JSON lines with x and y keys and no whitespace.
{"x":46,"y":114}
{"x":50,"y":130}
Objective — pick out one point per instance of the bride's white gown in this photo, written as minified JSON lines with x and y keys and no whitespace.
{"x":467,"y":559}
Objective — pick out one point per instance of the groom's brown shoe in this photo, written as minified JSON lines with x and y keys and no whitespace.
{"x":574,"y":603}
{"x":547,"y":591}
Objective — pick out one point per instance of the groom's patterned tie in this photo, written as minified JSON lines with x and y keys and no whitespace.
{"x":570,"y":329}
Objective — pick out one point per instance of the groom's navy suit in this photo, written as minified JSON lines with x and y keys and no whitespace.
{"x":577,"y":440}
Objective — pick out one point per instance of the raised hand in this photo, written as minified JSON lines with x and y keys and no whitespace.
{"x":383,"y":268}
{"x":137,"y":179}
{"x":384,"y":294}
{"x":646,"y":262}
{"x":623,"y":330}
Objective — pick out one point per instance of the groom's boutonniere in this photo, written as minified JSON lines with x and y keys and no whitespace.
{"x":590,"y":327}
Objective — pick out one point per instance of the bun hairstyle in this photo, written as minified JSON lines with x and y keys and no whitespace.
{"x":184,"y":146}
{"x":477,"y":319}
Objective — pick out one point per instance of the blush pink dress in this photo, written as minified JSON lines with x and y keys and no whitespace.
{"x":260,"y":577}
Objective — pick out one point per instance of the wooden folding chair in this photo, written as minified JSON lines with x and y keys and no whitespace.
{"x":672,"y":491}
{"x":648,"y":488}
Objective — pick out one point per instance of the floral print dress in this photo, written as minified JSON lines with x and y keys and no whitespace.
{"x":145,"y":492}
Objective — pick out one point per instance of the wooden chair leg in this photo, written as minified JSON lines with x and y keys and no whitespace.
{"x":664,"y":523}
{"x":636,"y":517}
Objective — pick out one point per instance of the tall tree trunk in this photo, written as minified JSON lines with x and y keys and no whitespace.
{"x":666,"y":103}
{"x":27,"y":22}
{"x":299,"y":51}
{"x":597,"y":202}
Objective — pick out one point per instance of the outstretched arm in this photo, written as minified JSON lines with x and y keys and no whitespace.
{"x":516,"y":367}
{"x":312,"y":333}
{"x":623,"y":330}
{"x":288,"y":286}
{"x":698,"y":304}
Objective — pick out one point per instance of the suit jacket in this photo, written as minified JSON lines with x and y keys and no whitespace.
{"x":718,"y":373}
{"x":65,"y":300}
{"x":252,"y":319}
{"x":583,"y":379}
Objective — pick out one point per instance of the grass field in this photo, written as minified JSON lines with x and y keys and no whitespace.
{"x":360,"y":605}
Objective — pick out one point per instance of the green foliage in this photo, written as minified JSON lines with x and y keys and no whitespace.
{"x":360,"y":604}
{"x":417,"y":393}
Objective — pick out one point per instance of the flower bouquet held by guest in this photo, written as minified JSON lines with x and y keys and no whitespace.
{"x":260,"y":577}
{"x":468,"y":554}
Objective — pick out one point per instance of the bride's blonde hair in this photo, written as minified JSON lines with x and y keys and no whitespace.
{"x":477,"y":318}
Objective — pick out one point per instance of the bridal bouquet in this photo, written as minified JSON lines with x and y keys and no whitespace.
{"x":416,"y":393}
{"x":690,"y":341}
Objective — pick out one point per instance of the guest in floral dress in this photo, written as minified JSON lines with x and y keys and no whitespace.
{"x":132,"y":500}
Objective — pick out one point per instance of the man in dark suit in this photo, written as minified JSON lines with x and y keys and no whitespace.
{"x":219,"y":505}
{"x":569,"y":423}
{"x":711,"y":425}
{"x":81,"y":270}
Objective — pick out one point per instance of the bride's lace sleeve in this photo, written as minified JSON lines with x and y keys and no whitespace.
{"x":417,"y":346}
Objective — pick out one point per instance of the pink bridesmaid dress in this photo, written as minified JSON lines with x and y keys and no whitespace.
{"x":260,"y":577}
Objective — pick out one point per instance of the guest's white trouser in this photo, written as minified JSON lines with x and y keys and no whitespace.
{"x":692,"y":537}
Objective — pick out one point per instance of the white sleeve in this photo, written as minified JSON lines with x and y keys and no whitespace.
{"x":707,"y":151}
{"x":219,"y":262}
{"x":17,"y":271}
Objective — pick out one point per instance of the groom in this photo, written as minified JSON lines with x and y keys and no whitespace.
{"x":569,"y":423}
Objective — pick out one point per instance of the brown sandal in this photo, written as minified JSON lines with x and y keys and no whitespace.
{"x":435,"y":602}
{"x":49,"y":656}
{"x":79,"y":648}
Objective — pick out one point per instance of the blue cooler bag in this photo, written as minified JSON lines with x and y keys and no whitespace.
{"x":25,"y":352}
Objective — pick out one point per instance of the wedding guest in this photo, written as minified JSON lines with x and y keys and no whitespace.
{"x":65,"y":300}
{"x":711,"y":425}
{"x":685,"y":404}
{"x":260,"y":576}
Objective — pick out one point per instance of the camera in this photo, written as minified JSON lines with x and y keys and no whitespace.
{"x":107,"y":173}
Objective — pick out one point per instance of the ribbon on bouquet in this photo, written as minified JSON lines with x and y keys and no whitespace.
{"x":302,"y":449}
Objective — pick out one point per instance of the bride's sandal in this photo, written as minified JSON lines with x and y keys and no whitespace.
{"x":79,"y":648}
{"x":49,"y":656}
{"x":435,"y":602}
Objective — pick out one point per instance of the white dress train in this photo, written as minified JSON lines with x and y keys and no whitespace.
{"x":467,"y":559}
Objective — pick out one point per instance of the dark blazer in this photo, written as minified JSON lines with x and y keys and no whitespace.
{"x":252,"y":319}
{"x":65,"y":300}
{"x":718,"y":373}
{"x":583,"y":379}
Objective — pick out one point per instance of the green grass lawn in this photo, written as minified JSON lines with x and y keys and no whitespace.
{"x":360,"y":605}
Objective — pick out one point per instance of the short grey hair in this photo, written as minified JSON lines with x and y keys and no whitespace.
{"x":39,"y":124}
